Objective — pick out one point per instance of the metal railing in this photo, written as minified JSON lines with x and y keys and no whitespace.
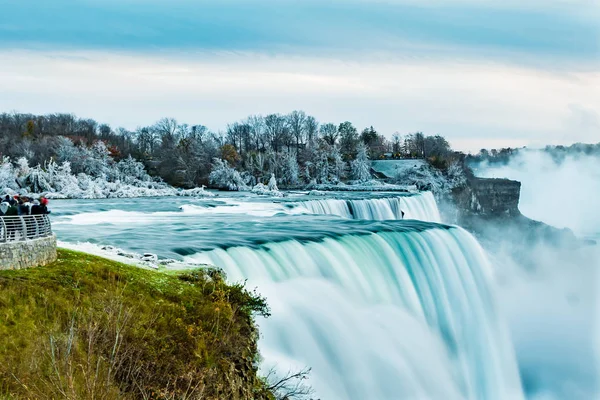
{"x":24,"y":227}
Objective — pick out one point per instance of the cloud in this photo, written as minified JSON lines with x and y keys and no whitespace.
{"x":470,"y":103}
{"x":349,"y":29}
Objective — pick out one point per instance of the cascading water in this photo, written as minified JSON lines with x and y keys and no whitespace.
{"x":402,"y":313}
{"x":379,"y":309}
{"x":420,"y":207}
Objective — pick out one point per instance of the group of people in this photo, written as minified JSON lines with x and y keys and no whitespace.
{"x":23,"y":205}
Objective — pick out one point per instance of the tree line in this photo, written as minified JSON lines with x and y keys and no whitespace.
{"x":296,"y":147}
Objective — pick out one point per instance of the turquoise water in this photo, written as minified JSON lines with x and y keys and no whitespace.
{"x":380,"y":309}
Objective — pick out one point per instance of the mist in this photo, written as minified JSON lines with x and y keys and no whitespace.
{"x":548,"y":292}
{"x":561,"y":193}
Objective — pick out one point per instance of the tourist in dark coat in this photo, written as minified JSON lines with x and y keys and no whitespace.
{"x":36,"y":208}
{"x":24,"y":206}
{"x":12,"y":211}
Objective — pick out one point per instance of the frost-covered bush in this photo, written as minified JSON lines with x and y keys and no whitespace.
{"x":456,"y":175}
{"x":426,"y":177}
{"x":224,"y":177}
{"x":264,"y":190}
{"x":273,"y":183}
{"x":361,"y":168}
{"x":126,"y":178}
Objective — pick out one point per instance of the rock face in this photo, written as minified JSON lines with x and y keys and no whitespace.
{"x":28,"y":253}
{"x":488,"y":198}
{"x":489,"y":208}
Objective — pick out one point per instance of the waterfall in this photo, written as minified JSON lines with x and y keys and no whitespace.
{"x":398,"y":313}
{"x":421,"y":206}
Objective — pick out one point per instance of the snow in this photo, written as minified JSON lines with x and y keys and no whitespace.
{"x":126,"y":178}
{"x":361,"y":168}
{"x":370,"y":185}
{"x":146,"y":260}
{"x":269,"y":190}
{"x":392,"y":168}
{"x":226,"y":178}
{"x":426,"y":177}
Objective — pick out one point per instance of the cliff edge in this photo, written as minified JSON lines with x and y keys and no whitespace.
{"x":489,"y":208}
{"x":86,"y":327}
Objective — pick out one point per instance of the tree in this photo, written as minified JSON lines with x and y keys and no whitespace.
{"x":29,"y":132}
{"x":297,"y":123}
{"x":369,"y":136}
{"x":348,"y":139}
{"x":104,"y":131}
{"x":436,"y":146}
{"x":257,"y":130}
{"x":276,"y":130}
{"x":361,"y":168}
{"x":311,"y":127}
{"x":329,"y":133}
{"x":239,"y":134}
{"x":225,"y":177}
{"x":396,"y":143}
{"x":338,"y":166}
{"x":415,"y":144}
{"x":229,"y":154}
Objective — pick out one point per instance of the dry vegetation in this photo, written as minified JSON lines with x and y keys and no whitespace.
{"x":86,"y":327}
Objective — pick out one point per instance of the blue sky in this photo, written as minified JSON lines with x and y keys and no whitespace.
{"x":486,"y":68}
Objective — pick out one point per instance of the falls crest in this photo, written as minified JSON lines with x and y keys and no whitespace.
{"x":421,"y":206}
{"x":385,"y":315}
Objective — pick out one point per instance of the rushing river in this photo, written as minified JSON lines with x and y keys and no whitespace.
{"x":379,"y":306}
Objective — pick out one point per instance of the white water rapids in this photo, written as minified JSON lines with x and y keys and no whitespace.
{"x":383,"y":310}
{"x":421,"y":207}
{"x":391,"y":315}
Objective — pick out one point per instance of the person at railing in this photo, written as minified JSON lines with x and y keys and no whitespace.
{"x":40,"y":207}
{"x":24,"y":206}
{"x":9,"y":210}
{"x":10,"y":200}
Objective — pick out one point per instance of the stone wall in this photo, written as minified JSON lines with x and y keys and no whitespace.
{"x":28,"y":253}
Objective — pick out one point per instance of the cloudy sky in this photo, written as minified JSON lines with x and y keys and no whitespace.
{"x":484,"y":73}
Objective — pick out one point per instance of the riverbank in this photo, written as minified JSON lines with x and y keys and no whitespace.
{"x":86,"y":326}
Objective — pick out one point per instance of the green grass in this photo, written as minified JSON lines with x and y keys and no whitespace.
{"x":87,"y":327}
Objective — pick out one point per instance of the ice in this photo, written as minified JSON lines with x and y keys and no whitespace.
{"x":124,"y":179}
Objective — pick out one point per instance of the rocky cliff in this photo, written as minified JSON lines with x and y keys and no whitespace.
{"x":489,"y":208}
{"x":489,"y":198}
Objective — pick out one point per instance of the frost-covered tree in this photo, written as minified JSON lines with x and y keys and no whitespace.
{"x":361,"y":168}
{"x":129,"y":170}
{"x":338,"y":166}
{"x":7,"y":176}
{"x":290,"y":171}
{"x":272,"y":183}
{"x":224,"y":177}
{"x":321,"y":166}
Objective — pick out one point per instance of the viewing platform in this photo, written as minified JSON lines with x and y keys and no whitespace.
{"x":26,"y":241}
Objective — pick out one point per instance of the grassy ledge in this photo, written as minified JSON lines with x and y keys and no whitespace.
{"x":88,"y":327}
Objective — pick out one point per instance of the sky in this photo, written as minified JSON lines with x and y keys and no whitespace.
{"x":483,"y":73}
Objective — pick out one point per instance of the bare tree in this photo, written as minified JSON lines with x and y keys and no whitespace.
{"x":276,"y":130}
{"x":311,"y":127}
{"x":329,"y":133}
{"x":297,"y":124}
{"x":291,"y":386}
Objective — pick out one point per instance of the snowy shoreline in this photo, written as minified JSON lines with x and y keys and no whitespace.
{"x":146,"y":260}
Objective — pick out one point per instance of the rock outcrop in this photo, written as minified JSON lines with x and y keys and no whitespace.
{"x":489,"y":198}
{"x":489,"y":208}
